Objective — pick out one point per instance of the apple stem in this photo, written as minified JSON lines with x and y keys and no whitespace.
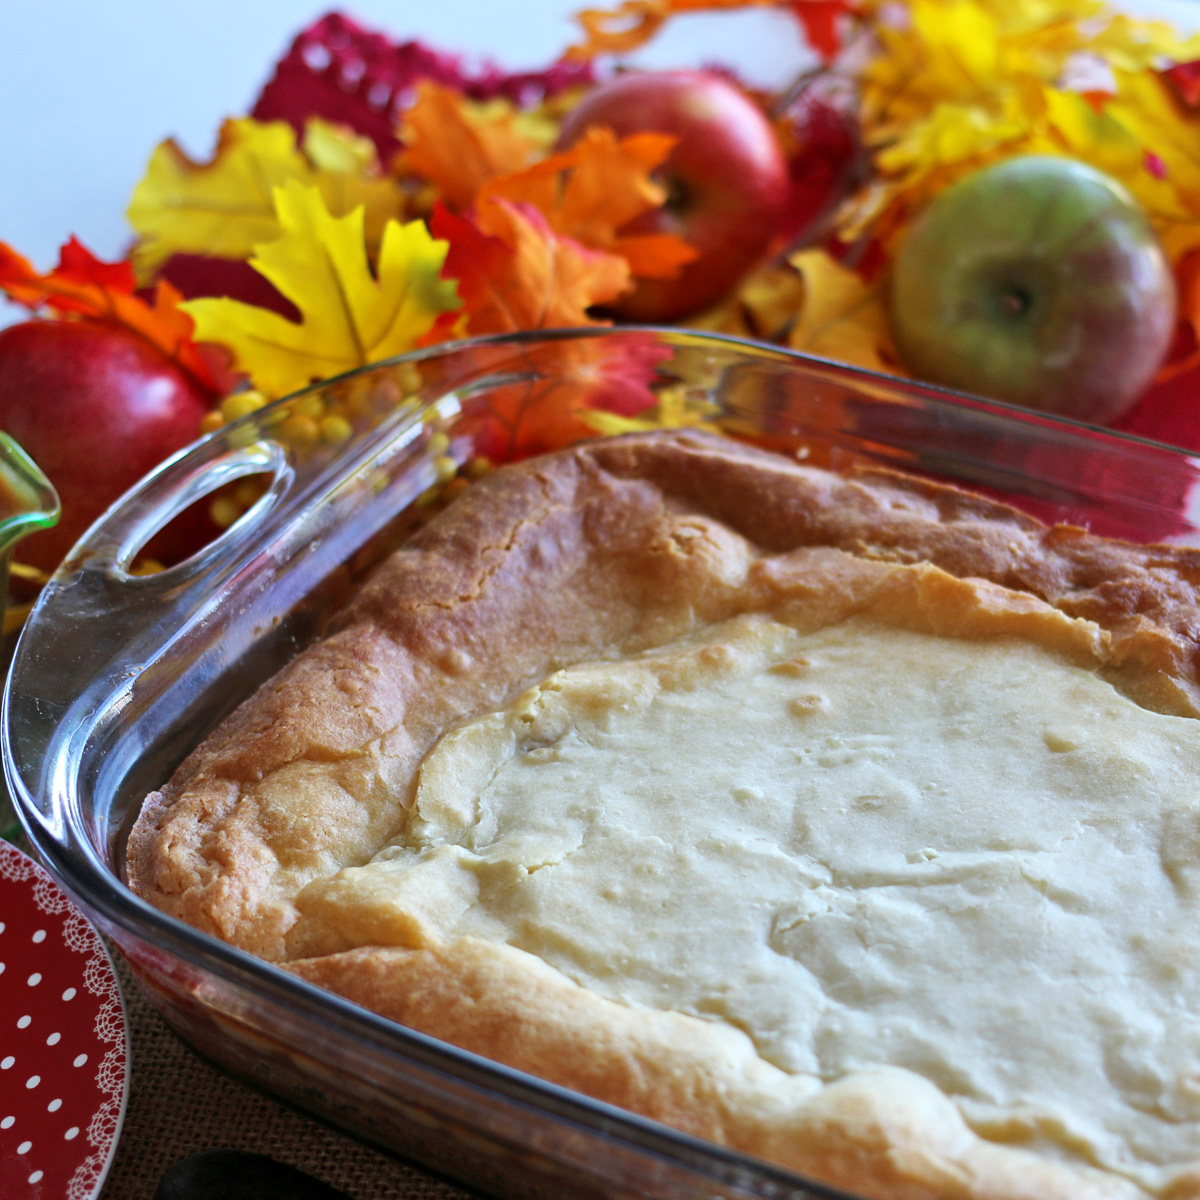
{"x":1014,"y":301}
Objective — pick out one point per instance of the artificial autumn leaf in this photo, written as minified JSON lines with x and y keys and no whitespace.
{"x":821,"y":21}
{"x":350,"y":175}
{"x":961,"y":84}
{"x":1184,"y":78}
{"x":675,"y":407}
{"x":634,"y":22}
{"x":597,"y":187}
{"x":841,"y":317}
{"x":350,"y":316}
{"x":83,"y":286}
{"x":81,"y":283}
{"x":515,"y":273}
{"x":457,"y":146}
{"x":225,"y":207}
{"x":1130,"y":43}
{"x":565,"y":386}
{"x":763,"y":306}
{"x":1146,"y":110}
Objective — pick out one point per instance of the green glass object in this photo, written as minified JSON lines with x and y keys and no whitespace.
{"x":28,"y":502}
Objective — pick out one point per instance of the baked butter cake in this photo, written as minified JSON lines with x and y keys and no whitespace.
{"x":850,"y":821}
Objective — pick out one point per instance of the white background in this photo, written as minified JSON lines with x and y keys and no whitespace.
{"x":88,"y":87}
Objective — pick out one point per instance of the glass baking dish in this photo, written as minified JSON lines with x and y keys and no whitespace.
{"x":117,"y":676}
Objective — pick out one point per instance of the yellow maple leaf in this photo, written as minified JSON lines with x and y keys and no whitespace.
{"x":225,"y":207}
{"x":349,"y":175}
{"x":1114,"y":139}
{"x":1134,"y":44}
{"x":350,"y":316}
{"x":841,"y":317}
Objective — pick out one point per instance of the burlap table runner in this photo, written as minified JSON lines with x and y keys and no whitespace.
{"x":179,"y":1106}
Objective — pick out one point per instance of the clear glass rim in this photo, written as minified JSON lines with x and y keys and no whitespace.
{"x":951,"y":398}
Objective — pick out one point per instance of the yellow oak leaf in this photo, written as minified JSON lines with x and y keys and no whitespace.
{"x":457,"y":146}
{"x":842,"y":317}
{"x":225,"y":207}
{"x":351,"y":316}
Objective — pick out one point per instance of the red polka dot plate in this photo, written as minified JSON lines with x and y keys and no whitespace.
{"x":64,"y":1056}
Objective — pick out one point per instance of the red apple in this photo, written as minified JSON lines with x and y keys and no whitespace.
{"x":1038,"y":281}
{"x":726,"y":180}
{"x":96,"y":407}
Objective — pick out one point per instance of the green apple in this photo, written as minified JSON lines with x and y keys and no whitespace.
{"x":1038,"y":281}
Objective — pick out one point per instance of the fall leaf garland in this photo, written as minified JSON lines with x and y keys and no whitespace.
{"x":634,"y":22}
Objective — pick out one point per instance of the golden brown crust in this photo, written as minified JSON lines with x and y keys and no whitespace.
{"x":884,"y":1133}
{"x":609,"y":548}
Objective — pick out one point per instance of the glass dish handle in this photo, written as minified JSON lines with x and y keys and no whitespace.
{"x":112,"y":544}
{"x":109,"y":621}
{"x":110,"y":624}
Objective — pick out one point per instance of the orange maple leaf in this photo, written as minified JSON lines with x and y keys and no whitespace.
{"x":514,"y":272}
{"x":595,"y":189}
{"x":83,"y":286}
{"x":634,"y":22}
{"x":453,"y":146}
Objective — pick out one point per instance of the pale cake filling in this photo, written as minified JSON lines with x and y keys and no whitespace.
{"x":861,"y":846}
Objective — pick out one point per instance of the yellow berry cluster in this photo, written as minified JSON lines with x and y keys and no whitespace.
{"x":308,"y":421}
{"x":329,"y":416}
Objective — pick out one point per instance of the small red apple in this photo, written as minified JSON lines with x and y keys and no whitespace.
{"x":726,"y":180}
{"x":96,"y":407}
